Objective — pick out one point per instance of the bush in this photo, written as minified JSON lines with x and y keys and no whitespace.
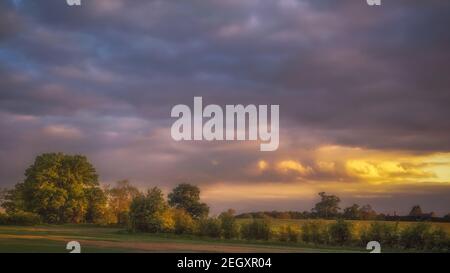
{"x":340,"y":233}
{"x":183,"y":222}
{"x":438,"y":240}
{"x":3,"y":219}
{"x":386,"y":234}
{"x":211,"y":227}
{"x":230,"y":228}
{"x":415,"y":236}
{"x":168,"y":221}
{"x":20,"y":218}
{"x":314,"y":232}
{"x":123,"y":218}
{"x":423,"y":236}
{"x":257,"y":229}
{"x":288,"y":234}
{"x":147,"y":211}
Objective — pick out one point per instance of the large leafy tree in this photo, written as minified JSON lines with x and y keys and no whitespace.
{"x":187,"y":197}
{"x":58,"y":187}
{"x":328,"y":205}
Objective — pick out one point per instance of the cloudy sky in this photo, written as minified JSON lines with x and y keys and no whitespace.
{"x":364,"y":95}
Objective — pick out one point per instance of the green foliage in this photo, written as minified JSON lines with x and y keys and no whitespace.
{"x":13,"y":199}
{"x":210,"y":227}
{"x":288,"y":234}
{"x":230,"y":227}
{"x":56,"y":187}
{"x":183,"y":222}
{"x":340,"y":233}
{"x":438,"y":240}
{"x":97,"y":209}
{"x":387,"y":234}
{"x":257,"y":229}
{"x":20,"y":218}
{"x":147,"y":211}
{"x":328,"y":206}
{"x":120,"y":198}
{"x":416,"y":236}
{"x":187,"y":197}
{"x":314,"y":232}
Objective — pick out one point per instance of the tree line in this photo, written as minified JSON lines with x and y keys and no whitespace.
{"x":328,"y":208}
{"x":60,"y":188}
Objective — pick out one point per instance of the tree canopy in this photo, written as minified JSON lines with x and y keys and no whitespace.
{"x":60,"y":188}
{"x":187,"y":197}
{"x":328,"y":205}
{"x":120,"y":198}
{"x":147,"y":211}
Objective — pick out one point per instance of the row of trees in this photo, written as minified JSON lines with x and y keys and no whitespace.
{"x":61,"y":188}
{"x":328,"y":208}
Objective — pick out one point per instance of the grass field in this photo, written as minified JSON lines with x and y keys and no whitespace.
{"x":53,"y":238}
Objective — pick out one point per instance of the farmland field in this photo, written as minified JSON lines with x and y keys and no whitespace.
{"x":53,"y":238}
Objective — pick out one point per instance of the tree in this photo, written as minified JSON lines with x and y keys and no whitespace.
{"x":13,"y":200}
{"x":187,"y":197}
{"x":56,"y":187}
{"x":3,"y":197}
{"x":367,"y":213}
{"x":98,"y":211}
{"x":211,"y":227}
{"x":352,"y":212}
{"x":447,"y":217}
{"x":416,"y":212}
{"x":340,"y":232}
{"x":3,"y":193}
{"x":229,"y":225}
{"x":147,"y":212}
{"x":328,"y":206}
{"x":120,"y":198}
{"x":183,"y":222}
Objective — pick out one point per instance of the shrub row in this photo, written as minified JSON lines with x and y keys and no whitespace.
{"x":420,"y":236}
{"x":20,"y":218}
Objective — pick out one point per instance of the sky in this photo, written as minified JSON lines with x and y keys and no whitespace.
{"x":364,"y":96}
